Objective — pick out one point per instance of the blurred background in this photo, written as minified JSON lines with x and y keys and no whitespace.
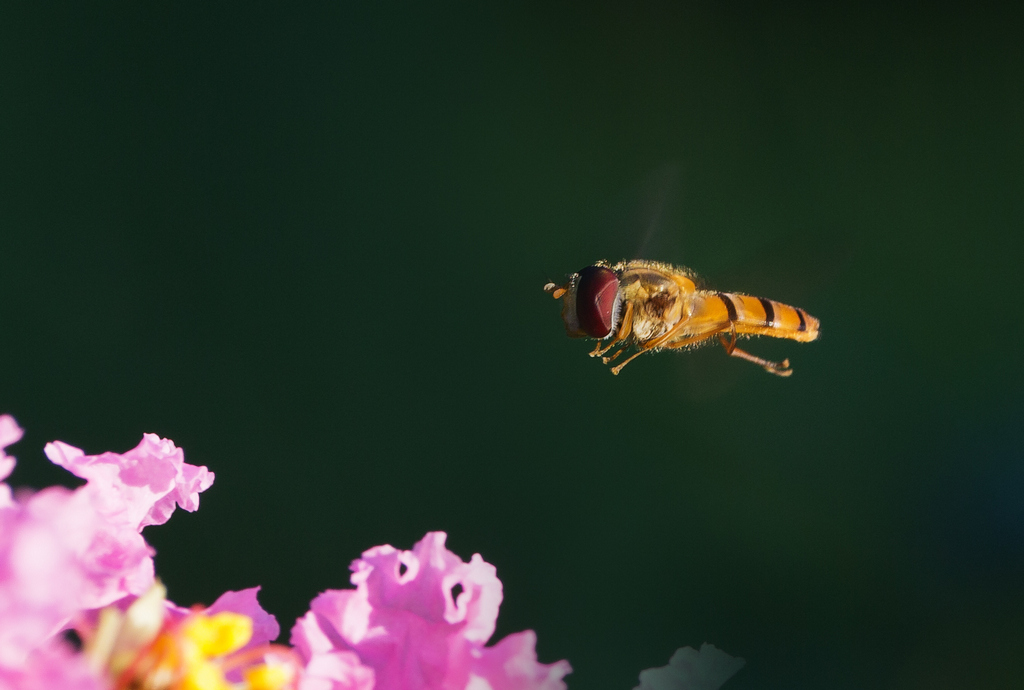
{"x":308,"y":245}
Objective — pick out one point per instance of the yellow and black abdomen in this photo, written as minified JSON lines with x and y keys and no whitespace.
{"x":761,"y":316}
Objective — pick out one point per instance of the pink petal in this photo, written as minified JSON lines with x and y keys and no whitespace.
{"x":51,"y":667}
{"x":312,"y":634}
{"x":329,"y":664}
{"x":403,"y":622}
{"x":425,"y":588}
{"x":264,"y":626}
{"x":41,"y":580}
{"x":336,"y":671}
{"x":140,"y":487}
{"x":512,"y":665}
{"x":10,"y":433}
{"x":64,"y":552}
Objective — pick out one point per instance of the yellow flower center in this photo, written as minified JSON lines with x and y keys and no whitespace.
{"x":137,"y":649}
{"x":219,"y":634}
{"x":266,"y":677}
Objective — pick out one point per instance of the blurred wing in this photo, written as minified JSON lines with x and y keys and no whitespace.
{"x":641,"y":222}
{"x":790,"y":269}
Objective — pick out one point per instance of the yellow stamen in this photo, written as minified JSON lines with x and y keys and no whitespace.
{"x":219,"y":634}
{"x":267,"y":677}
{"x":204,"y":675}
{"x":140,"y":649}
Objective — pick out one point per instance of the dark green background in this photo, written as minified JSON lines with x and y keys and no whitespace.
{"x":308,"y":245}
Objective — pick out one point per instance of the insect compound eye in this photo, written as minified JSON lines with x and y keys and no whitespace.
{"x":596,"y":291}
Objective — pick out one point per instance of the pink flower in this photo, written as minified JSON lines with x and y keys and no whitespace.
{"x":265,"y":628}
{"x":264,"y":625}
{"x":51,"y":667}
{"x":416,"y":620}
{"x":140,"y":487}
{"x":45,"y":546}
{"x":336,"y":670}
{"x":145,"y":641}
{"x":406,"y":622}
{"x":10,"y":433}
{"x":63,"y":552}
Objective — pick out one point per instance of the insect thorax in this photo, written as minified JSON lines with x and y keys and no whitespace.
{"x":658,"y":303}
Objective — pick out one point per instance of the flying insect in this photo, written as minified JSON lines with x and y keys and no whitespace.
{"x":651,"y":306}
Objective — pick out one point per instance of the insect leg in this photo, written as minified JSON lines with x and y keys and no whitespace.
{"x":689,"y":341}
{"x":655,"y":344}
{"x":663,"y":341}
{"x":617,"y":368}
{"x":777,"y":368}
{"x":613,"y":357}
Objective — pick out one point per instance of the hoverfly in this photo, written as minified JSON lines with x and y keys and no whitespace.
{"x":656,"y":306}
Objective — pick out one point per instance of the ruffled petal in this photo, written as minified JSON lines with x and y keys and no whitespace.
{"x":336,"y":671}
{"x":140,"y":487}
{"x":10,"y":433}
{"x":420,"y":619}
{"x":422,"y":581}
{"x":512,"y":665}
{"x":42,"y":580}
{"x":264,"y":625}
{"x":63,"y":552}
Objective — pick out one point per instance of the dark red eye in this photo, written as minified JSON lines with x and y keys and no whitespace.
{"x":595,"y":300}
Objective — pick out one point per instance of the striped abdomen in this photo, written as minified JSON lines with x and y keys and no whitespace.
{"x":760,"y":316}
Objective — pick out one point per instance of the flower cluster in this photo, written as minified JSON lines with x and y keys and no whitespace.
{"x":404,"y":627}
{"x":64,"y":552}
{"x":76,"y":560}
